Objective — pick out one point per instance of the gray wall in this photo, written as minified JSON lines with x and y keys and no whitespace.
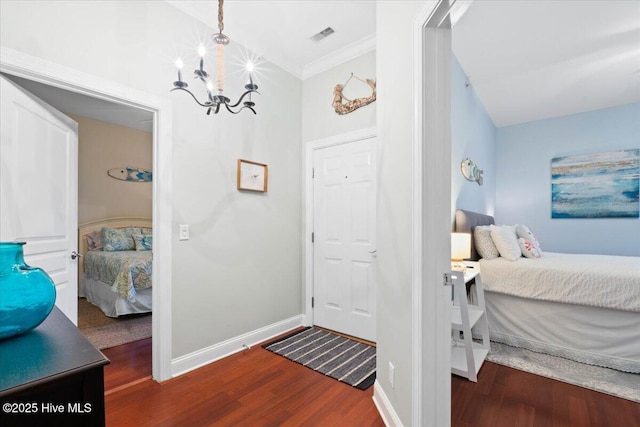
{"x":319,"y":119}
{"x":241,"y":270}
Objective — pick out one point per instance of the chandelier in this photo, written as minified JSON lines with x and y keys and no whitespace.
{"x":216,"y":99}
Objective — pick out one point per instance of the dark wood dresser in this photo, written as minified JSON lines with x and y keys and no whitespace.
{"x":51,"y":376}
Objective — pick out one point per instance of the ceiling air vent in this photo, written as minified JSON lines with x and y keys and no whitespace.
{"x":322,"y":34}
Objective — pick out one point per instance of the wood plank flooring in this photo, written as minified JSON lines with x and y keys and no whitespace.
{"x":258,"y":388}
{"x":252,"y":388}
{"x":508,"y":397}
{"x":130,"y":364}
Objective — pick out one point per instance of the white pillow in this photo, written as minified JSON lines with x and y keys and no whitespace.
{"x":506,"y":241}
{"x":483,"y":243}
{"x":525,"y":233}
{"x":528,"y":249}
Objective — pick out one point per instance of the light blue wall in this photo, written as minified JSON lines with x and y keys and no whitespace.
{"x":523,"y":190}
{"x":473,"y":135}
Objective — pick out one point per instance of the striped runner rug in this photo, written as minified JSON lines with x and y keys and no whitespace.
{"x":338,"y":357}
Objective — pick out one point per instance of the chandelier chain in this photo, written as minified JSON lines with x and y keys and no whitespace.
{"x":215,"y":97}
{"x":220,"y":16}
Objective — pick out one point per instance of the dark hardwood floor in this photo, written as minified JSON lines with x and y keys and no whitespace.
{"x":258,"y":388}
{"x":130,"y":364}
{"x":508,"y":397}
{"x":252,"y":388}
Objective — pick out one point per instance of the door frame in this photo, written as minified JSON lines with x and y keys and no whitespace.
{"x":431,"y":222}
{"x":307,"y":220}
{"x":22,"y":65}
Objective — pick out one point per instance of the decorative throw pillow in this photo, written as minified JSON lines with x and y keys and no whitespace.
{"x":528,"y":249}
{"x":525,"y":233}
{"x":506,"y":241}
{"x":483,"y":243}
{"x":146,"y":230}
{"x":95,"y":241}
{"x":119,"y":239}
{"x":143,"y":242}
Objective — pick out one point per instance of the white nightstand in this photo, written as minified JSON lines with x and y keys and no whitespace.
{"x":467,"y":355}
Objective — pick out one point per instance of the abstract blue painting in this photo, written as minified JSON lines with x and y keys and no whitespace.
{"x":604,"y":185}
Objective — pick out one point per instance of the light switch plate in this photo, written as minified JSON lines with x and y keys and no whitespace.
{"x":184,"y":232}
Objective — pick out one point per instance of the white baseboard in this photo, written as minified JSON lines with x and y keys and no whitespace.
{"x":189,"y":362}
{"x":388,"y":414}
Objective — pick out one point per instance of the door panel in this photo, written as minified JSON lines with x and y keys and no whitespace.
{"x":38,"y":187}
{"x":344,"y":228}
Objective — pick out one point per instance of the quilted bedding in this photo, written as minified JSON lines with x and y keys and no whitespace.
{"x":595,"y":280}
{"x":124,"y":271}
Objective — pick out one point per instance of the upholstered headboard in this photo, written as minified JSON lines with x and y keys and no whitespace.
{"x":117,"y":222}
{"x":467,"y":221}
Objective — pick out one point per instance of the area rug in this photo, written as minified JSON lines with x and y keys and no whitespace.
{"x":604,"y":380}
{"x":106,"y":332}
{"x":338,"y":357}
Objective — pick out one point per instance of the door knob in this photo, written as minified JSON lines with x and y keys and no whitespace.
{"x":75,"y":255}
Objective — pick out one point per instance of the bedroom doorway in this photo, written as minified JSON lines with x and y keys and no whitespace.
{"x":104,"y":135}
{"x":56,"y":76}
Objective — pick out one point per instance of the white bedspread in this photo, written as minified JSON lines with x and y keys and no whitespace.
{"x":595,"y":280}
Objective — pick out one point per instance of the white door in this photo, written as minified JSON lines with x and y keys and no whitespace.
{"x":38,"y":188}
{"x":344,"y":279}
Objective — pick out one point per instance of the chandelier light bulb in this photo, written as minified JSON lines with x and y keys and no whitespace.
{"x":214,"y":101}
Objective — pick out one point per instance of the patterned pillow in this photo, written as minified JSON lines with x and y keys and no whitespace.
{"x":483,"y":243}
{"x":528,"y":249}
{"x":119,"y":239}
{"x":95,"y":241}
{"x":525,"y":233}
{"x":506,"y":241}
{"x":143,"y":242}
{"x":146,"y":230}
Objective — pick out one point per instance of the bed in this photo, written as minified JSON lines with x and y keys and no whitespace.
{"x":117,"y":281}
{"x":580,"y":307}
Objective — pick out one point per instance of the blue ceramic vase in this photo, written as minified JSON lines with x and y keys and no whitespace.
{"x":27,"y":294}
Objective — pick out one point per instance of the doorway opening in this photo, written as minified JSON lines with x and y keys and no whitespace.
{"x":15,"y":64}
{"x":109,"y":135}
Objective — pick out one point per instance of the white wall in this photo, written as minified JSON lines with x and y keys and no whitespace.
{"x":241,"y":270}
{"x":319,"y":119}
{"x":103,"y":146}
{"x":395,"y":118}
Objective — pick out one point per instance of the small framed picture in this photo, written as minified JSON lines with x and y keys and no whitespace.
{"x":252,"y":176}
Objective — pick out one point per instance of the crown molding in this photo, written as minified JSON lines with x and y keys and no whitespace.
{"x":350,"y":51}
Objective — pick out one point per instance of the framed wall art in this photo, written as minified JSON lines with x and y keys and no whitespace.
{"x":602,"y":185}
{"x":252,"y":176}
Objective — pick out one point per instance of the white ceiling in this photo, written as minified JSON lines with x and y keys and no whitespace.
{"x":527,"y":60}
{"x":533,"y":60}
{"x":85,"y":106}
{"x":280,"y":30}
